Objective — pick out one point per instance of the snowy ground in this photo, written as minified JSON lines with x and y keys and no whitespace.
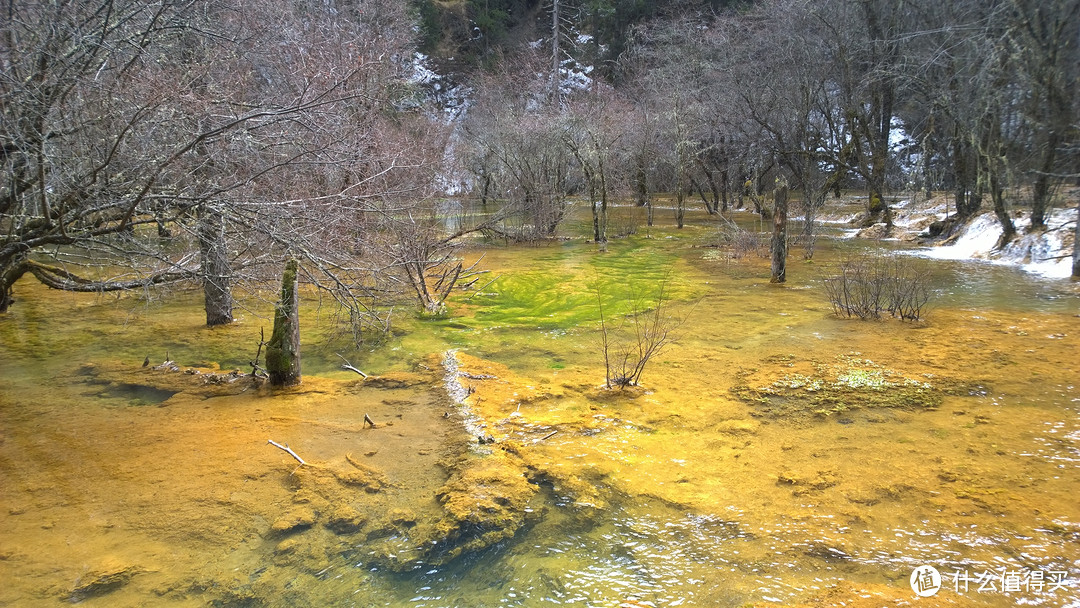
{"x":1048,"y":254}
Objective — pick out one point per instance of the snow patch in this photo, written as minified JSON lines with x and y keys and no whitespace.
{"x":1043,"y":253}
{"x":451,"y":101}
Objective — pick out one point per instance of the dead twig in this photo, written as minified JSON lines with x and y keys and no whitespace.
{"x":349,"y":366}
{"x":255,"y":367}
{"x":484,"y":287}
{"x":287,"y":449}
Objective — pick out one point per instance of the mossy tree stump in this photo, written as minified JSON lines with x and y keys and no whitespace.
{"x":283,"y":349}
{"x":778,"y":246}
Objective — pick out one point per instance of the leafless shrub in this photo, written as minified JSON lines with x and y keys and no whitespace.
{"x":741,"y":242}
{"x":623,"y":224}
{"x":630,"y":342}
{"x":866,"y":287}
{"x":907,"y":288}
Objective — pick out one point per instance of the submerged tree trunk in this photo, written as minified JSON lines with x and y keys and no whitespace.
{"x":1076,"y":245}
{"x":1040,"y":196}
{"x":283,"y":350}
{"x":216,"y":274}
{"x":10,"y":272}
{"x":1008,"y":229}
{"x":680,"y":207}
{"x":779,"y":237}
{"x":595,"y":206}
{"x":602,"y":235}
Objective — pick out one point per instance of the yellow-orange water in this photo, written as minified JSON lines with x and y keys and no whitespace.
{"x":707,"y":501}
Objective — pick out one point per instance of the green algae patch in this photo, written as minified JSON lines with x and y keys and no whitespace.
{"x":558,"y":290}
{"x":786,"y":387}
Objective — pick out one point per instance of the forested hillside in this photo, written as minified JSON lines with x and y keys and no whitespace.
{"x":470,"y":30}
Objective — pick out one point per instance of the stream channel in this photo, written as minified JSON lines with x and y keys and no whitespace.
{"x":773,"y":454}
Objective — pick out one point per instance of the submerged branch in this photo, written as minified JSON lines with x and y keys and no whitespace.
{"x":349,"y":366}
{"x":287,"y":449}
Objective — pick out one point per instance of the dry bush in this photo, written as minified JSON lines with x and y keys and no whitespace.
{"x":630,"y":341}
{"x":741,"y":242}
{"x":868,"y":286}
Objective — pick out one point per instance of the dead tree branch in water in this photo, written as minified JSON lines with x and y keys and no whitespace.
{"x":349,"y":366}
{"x":287,"y":449}
{"x":257,"y":370}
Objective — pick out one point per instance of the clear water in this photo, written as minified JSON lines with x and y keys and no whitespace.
{"x":706,"y":500}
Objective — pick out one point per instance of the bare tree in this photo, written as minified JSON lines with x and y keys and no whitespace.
{"x":629,"y":343}
{"x":779,"y":247}
{"x":120,"y":116}
{"x":250,"y":136}
{"x":515,"y":128}
{"x":90,"y":140}
{"x":593,"y":130}
{"x":1044,"y":44}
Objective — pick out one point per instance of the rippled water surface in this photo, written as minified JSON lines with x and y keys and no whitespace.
{"x":774,"y":454}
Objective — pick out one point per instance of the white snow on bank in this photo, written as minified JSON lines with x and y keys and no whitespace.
{"x":450,"y":101}
{"x":1045,"y":254}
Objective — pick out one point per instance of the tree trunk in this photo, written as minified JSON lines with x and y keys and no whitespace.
{"x":1040,"y":196}
{"x":555,"y":76}
{"x":603,"y":200}
{"x":965,"y":205}
{"x":9,"y":273}
{"x":715,"y":190}
{"x":283,"y":350}
{"x":725,"y":190}
{"x":1076,"y":245}
{"x":779,"y":237}
{"x":484,"y":191}
{"x":593,"y":204}
{"x":680,"y":206}
{"x":815,"y":200}
{"x":1008,"y":229}
{"x":927,"y":155}
{"x":216,"y":274}
{"x":641,"y":183}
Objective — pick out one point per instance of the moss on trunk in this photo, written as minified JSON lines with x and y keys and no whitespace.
{"x":283,"y":350}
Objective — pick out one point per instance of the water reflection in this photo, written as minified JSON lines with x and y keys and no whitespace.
{"x":972,"y":284}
